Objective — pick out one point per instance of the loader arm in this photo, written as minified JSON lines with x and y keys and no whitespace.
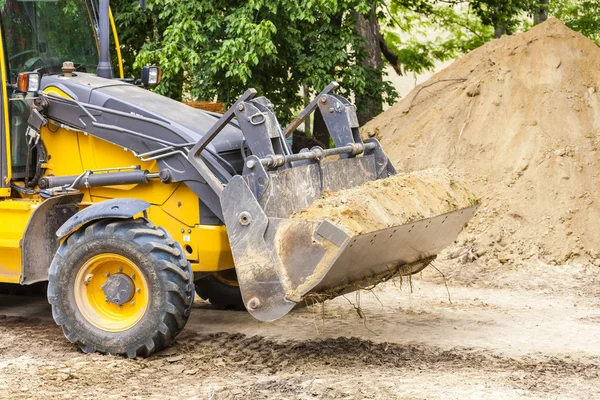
{"x":148,"y":137}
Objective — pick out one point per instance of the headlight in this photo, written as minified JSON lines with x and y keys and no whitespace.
{"x":151,"y":76}
{"x":28,"y":82}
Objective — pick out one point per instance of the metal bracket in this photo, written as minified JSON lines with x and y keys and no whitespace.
{"x":383,"y":165}
{"x":261,"y":128}
{"x":258,"y":178}
{"x":36,"y":120}
{"x":340,"y":118}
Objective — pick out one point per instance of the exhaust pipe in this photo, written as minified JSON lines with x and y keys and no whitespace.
{"x":104,"y":69}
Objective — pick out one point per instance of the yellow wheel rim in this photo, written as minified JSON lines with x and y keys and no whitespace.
{"x":92,"y":299}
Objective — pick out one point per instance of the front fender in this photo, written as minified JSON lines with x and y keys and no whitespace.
{"x":39,"y":242}
{"x":115,"y":208}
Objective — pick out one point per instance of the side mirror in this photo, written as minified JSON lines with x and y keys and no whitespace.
{"x":151,"y":76}
{"x":28,"y":82}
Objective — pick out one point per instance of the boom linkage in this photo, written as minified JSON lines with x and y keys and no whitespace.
{"x":266,"y":147}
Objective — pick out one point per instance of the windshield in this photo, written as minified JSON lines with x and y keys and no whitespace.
{"x":40,"y":35}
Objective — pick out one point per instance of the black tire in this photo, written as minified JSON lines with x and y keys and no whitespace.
{"x":221,"y":295}
{"x":169,"y":283}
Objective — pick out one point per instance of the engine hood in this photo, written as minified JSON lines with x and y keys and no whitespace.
{"x":125,"y":97}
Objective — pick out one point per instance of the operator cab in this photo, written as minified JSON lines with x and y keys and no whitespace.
{"x":38,"y":36}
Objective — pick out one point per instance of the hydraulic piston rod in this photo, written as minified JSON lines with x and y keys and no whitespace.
{"x":315,"y":153}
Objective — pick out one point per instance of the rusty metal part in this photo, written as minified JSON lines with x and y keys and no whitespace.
{"x":68,"y":68}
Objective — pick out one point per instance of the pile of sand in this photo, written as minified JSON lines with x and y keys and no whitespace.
{"x":394,"y":201}
{"x":520,"y":119}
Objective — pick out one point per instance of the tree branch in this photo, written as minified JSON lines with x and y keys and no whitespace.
{"x":426,"y":85}
{"x":467,"y":27}
{"x":389,"y":55}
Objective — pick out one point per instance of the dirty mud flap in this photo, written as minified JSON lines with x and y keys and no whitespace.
{"x":281,"y":263}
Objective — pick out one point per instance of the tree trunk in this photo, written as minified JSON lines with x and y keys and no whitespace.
{"x":307,"y":100}
{"x":370,"y":103}
{"x":177,"y":89}
{"x":320,"y":133}
{"x":542,"y":14}
{"x":499,"y":31}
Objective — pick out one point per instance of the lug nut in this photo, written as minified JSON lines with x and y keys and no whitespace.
{"x":132,"y":303}
{"x":88,"y":279}
{"x":132,"y":276}
{"x":107,"y":274}
{"x":120,"y":269}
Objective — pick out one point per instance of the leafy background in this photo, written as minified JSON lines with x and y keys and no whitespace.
{"x":289,"y":50}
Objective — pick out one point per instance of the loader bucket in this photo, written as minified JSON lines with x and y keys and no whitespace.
{"x":282,"y":260}
{"x":287,"y":250}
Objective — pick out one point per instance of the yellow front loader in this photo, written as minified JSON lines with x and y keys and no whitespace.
{"x":127,"y":203}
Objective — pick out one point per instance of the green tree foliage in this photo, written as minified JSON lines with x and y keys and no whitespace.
{"x":504,"y":15}
{"x":580,"y":15}
{"x":217,"y":49}
{"x":212,"y":49}
{"x":424,"y":32}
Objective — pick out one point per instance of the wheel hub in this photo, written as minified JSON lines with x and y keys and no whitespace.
{"x":119,"y":289}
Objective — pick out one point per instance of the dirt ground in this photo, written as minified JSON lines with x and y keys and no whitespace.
{"x":529,"y":332}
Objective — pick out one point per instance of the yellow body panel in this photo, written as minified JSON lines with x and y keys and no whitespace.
{"x":113,"y":27}
{"x":14,"y":215}
{"x":5,"y":111}
{"x":174,"y":206}
{"x":206,"y":247}
{"x":213,"y":246}
{"x":64,"y":159}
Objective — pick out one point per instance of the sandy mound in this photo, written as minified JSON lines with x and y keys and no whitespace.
{"x":520,"y":119}
{"x":389,"y":202}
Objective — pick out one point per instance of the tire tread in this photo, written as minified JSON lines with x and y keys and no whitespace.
{"x":171,"y":265}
